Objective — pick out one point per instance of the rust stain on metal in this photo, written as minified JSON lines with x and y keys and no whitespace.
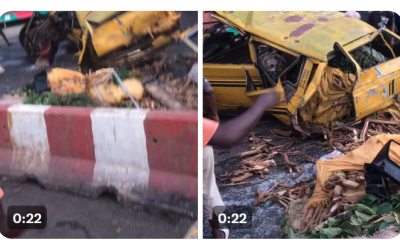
{"x":301,"y":30}
{"x":322,"y":19}
{"x":295,"y":18}
{"x":9,"y":120}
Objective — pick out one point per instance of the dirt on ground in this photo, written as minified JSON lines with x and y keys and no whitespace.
{"x":266,"y":216}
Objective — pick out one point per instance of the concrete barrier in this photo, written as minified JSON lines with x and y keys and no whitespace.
{"x":143,"y":156}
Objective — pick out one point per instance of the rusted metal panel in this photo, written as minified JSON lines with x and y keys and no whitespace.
{"x":377,"y":88}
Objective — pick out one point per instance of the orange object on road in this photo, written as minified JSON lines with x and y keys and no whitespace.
{"x":352,"y":161}
{"x":209,"y":128}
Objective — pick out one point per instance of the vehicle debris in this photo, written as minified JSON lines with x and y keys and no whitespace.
{"x":341,"y":78}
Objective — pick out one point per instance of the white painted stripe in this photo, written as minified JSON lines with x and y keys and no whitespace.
{"x":120,"y":149}
{"x":31,"y":151}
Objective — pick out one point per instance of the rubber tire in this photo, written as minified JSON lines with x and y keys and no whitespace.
{"x":22,"y":34}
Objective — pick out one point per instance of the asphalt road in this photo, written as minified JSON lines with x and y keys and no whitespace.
{"x":267,"y":216}
{"x":70,"y":216}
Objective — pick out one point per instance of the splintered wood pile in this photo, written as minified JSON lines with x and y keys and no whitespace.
{"x":177,"y":94}
{"x":259,"y":159}
{"x":346,"y":137}
{"x":283,"y":194}
{"x":168,"y":92}
{"x":336,"y":187}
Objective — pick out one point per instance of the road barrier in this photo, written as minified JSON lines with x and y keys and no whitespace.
{"x":143,"y":156}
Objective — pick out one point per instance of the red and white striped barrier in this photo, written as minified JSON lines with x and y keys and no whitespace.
{"x":144,"y":156}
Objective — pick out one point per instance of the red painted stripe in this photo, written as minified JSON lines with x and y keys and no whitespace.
{"x":171,"y":139}
{"x":70,"y":136}
{"x":71,"y":171}
{"x":5,"y":140}
{"x":21,"y":15}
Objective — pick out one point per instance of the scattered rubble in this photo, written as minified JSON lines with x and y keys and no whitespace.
{"x":335,"y":187}
{"x":162,"y":91}
{"x":346,"y":138}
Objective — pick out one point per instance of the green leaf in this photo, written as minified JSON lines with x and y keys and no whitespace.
{"x":323,"y":236}
{"x":355,"y":221}
{"x":368,"y":199}
{"x":331,"y":231}
{"x":395,"y":197}
{"x":389,"y":219}
{"x":291,"y":233}
{"x":375,"y":208}
{"x":332,"y":222}
{"x":363,"y":216}
{"x":367,"y":225}
{"x":384,"y":208}
{"x":283,"y":222}
{"x":349,"y":208}
{"x":364,"y":209}
{"x":383,"y":226}
{"x":349,"y":232}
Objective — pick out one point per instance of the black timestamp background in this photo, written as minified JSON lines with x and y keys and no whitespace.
{"x":24,"y":211}
{"x":229,"y":211}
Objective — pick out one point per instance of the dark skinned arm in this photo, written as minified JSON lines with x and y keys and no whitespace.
{"x":210,"y":104}
{"x":230,"y":132}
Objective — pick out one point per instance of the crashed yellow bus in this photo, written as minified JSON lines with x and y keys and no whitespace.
{"x":103,"y":38}
{"x":327,"y":66}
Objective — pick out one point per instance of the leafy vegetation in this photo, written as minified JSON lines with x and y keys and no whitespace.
{"x":362,"y":219}
{"x":48,"y":98}
{"x":364,"y":59}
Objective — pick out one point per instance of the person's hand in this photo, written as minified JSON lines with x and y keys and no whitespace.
{"x":270,"y":99}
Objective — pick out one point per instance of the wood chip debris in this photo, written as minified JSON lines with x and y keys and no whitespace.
{"x":335,"y":187}
{"x":283,"y":194}
{"x":347,"y":137}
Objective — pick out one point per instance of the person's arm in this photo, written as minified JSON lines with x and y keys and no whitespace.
{"x":210,"y":104}
{"x":209,"y":100}
{"x":230,"y":132}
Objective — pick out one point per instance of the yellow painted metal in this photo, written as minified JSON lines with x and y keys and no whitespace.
{"x":388,"y":45}
{"x":252,"y":51}
{"x":358,"y":42}
{"x":373,"y":90}
{"x":314,"y":83}
{"x":158,"y":42}
{"x":278,"y":88}
{"x":377,"y":88}
{"x":229,"y":84}
{"x":308,"y":33}
{"x":298,"y":97}
{"x":123,"y":28}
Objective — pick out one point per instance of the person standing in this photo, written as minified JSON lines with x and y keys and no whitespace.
{"x":209,"y":100}
{"x":226,"y":135}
